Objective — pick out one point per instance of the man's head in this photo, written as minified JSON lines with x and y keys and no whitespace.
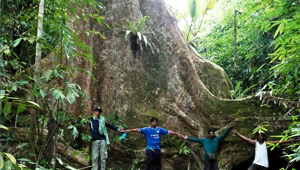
{"x":211,"y":133}
{"x":97,"y":111}
{"x":154,"y":122}
{"x":261,"y":136}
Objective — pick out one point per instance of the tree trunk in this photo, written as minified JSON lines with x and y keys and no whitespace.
{"x":51,"y":143}
{"x":187,"y":93}
{"x":235,"y":44}
{"x":38,"y":53}
{"x":37,"y":74}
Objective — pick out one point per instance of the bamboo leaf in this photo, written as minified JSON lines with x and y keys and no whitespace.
{"x":42,"y":92}
{"x":7,"y":165}
{"x":7,"y":108}
{"x":34,"y":104}
{"x":278,"y":30}
{"x":17,"y":41}
{"x":11,"y":158}
{"x":21,"y":108}
{"x":211,"y":4}
{"x":3,"y":127}
{"x":2,"y":94}
{"x":21,"y":82}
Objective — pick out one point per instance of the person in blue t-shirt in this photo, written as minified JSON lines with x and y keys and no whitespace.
{"x":153,"y":136}
{"x":210,"y":145}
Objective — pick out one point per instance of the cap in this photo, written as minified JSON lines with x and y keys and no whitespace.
{"x":98,"y":108}
{"x":211,"y":130}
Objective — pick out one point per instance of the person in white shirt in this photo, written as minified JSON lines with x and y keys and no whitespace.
{"x":261,"y":154}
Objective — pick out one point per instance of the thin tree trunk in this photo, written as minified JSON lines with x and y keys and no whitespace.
{"x":37,"y":74}
{"x":235,"y":44}
{"x":51,"y":147}
{"x":38,"y":52}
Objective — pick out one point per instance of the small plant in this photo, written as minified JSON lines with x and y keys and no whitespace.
{"x":137,"y":36}
{"x":183,"y":149}
{"x":138,"y":157}
{"x":238,"y":93}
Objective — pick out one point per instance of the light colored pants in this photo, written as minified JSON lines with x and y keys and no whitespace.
{"x":99,"y":147}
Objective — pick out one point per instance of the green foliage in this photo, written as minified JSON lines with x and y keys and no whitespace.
{"x":136,"y":32}
{"x":267,"y":45}
{"x":8,"y":161}
{"x":53,"y":91}
{"x":196,"y":11}
{"x":238,"y":93}
{"x":138,"y":157}
{"x":183,"y":149}
{"x":194,"y":8}
{"x":260,"y":129}
{"x":292,"y":151}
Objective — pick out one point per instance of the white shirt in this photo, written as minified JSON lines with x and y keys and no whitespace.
{"x":261,"y":154}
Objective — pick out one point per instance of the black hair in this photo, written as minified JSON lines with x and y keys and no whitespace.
{"x":263,"y":134}
{"x":257,"y":133}
{"x":154,"y":119}
{"x":211,"y":130}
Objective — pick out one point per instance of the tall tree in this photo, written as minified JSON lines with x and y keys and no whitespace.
{"x":173,"y":83}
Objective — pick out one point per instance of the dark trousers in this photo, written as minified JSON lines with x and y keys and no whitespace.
{"x":153,"y":159}
{"x":210,"y":165}
{"x":257,"y":167}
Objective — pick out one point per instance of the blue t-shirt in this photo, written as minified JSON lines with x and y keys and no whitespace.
{"x":153,"y":136}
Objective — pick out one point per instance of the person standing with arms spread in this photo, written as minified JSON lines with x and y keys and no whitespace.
{"x":100,"y":140}
{"x":153,"y":136}
{"x":261,"y":161}
{"x":210,"y":145}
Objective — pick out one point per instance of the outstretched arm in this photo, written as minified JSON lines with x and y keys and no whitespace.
{"x":284,"y":141}
{"x":131,"y":130}
{"x":226,"y":133}
{"x":174,"y":133}
{"x":111,"y":126}
{"x":243,"y":137}
{"x":198,"y":140}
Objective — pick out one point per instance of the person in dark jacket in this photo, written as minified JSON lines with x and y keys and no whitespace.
{"x":210,"y":145}
{"x":100,"y":140}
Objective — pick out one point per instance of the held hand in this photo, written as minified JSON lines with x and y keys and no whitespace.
{"x":230,"y":125}
{"x":126,"y":131}
{"x":233,"y":131}
{"x":121,"y":130}
{"x":179,"y":135}
{"x":183,"y":137}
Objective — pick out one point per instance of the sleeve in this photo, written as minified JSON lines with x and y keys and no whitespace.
{"x":111,"y":126}
{"x":143,"y":130}
{"x":224,"y":135}
{"x":198,"y":140}
{"x":164,"y":131}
